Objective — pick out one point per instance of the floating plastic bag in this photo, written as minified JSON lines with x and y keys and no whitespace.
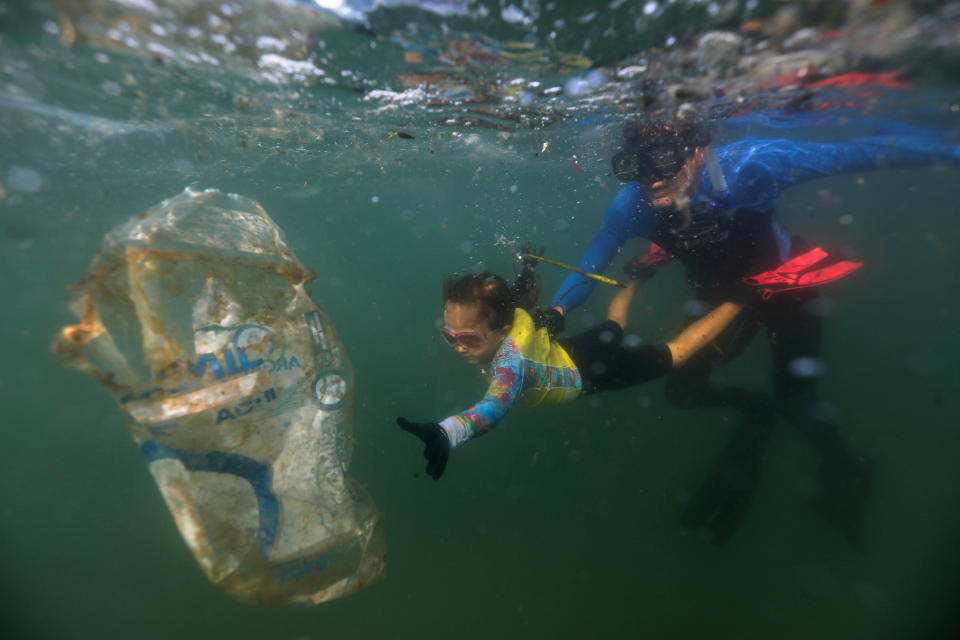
{"x":195,"y":315}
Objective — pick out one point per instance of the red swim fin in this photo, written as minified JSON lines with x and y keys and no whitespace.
{"x":797,"y":273}
{"x":835,"y":271}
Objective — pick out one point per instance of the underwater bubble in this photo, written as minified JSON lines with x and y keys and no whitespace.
{"x":515,"y":15}
{"x":513,"y":188}
{"x":807,"y":367}
{"x":111,"y":88}
{"x":576,"y":86}
{"x":24,"y":179}
{"x":606,"y":336}
{"x":649,"y":8}
{"x":596,"y":78}
{"x":632,"y":340}
{"x":375,"y":199}
{"x":695,"y":307}
{"x":846,"y":219}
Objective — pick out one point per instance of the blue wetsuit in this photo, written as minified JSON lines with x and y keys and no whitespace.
{"x":726,"y":234}
{"x":734,"y":233}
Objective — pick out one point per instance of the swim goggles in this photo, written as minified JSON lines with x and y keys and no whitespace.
{"x":655,"y":154}
{"x":469,"y":339}
{"x":649,"y":164}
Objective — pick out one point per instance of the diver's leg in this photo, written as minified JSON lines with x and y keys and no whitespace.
{"x":846,"y":475}
{"x":725,"y":495}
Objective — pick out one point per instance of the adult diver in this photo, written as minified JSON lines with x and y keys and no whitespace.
{"x":714,"y":211}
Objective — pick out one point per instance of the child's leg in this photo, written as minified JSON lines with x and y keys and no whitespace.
{"x":605,"y":362}
{"x":702,"y":332}
{"x":696,"y":336}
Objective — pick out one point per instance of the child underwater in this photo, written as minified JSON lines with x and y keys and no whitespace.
{"x":484,"y":320}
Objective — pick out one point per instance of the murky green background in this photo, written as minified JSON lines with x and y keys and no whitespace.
{"x":565,"y":522}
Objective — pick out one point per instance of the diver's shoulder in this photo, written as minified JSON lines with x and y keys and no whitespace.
{"x":755,"y":153}
{"x":748,"y":146}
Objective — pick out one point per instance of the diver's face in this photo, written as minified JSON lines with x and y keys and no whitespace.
{"x":664,"y":193}
{"x":469,"y":334}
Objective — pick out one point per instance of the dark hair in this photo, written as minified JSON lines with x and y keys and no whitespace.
{"x":487,"y":290}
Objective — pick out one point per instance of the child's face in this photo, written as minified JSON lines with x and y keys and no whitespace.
{"x":469,"y":333}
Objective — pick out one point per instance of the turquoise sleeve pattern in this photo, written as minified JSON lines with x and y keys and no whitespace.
{"x":759,"y":170}
{"x":505,"y":386}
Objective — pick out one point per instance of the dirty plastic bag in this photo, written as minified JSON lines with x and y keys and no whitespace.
{"x":195,"y":315}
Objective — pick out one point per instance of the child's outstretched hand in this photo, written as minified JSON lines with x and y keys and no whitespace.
{"x":437,"y":444}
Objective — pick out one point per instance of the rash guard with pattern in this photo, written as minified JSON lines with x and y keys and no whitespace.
{"x":530,"y":367}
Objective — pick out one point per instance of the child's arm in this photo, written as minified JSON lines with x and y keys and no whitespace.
{"x":439,"y":438}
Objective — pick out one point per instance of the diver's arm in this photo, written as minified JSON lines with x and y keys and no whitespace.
{"x":702,"y":332}
{"x":764,"y":168}
{"x":627,"y":216}
{"x":505,"y":386}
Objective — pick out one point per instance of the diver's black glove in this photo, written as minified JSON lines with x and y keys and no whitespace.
{"x":437,"y":448}
{"x":550,"y":319}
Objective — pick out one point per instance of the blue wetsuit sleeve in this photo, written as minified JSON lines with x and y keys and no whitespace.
{"x":762,"y":169}
{"x":627,"y":216}
{"x":505,"y":385}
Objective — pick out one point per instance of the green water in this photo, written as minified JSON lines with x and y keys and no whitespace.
{"x":564,"y":523}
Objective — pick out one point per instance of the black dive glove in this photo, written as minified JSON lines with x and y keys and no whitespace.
{"x":437,"y":448}
{"x":550,"y":319}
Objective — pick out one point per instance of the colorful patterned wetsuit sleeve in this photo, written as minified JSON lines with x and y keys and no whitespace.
{"x":505,"y":385}
{"x":628,"y":216}
{"x":759,"y":170}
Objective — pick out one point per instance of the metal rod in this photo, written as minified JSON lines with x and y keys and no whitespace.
{"x":595,"y":276}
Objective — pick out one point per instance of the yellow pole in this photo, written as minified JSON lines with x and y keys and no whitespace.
{"x":595,"y":276}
